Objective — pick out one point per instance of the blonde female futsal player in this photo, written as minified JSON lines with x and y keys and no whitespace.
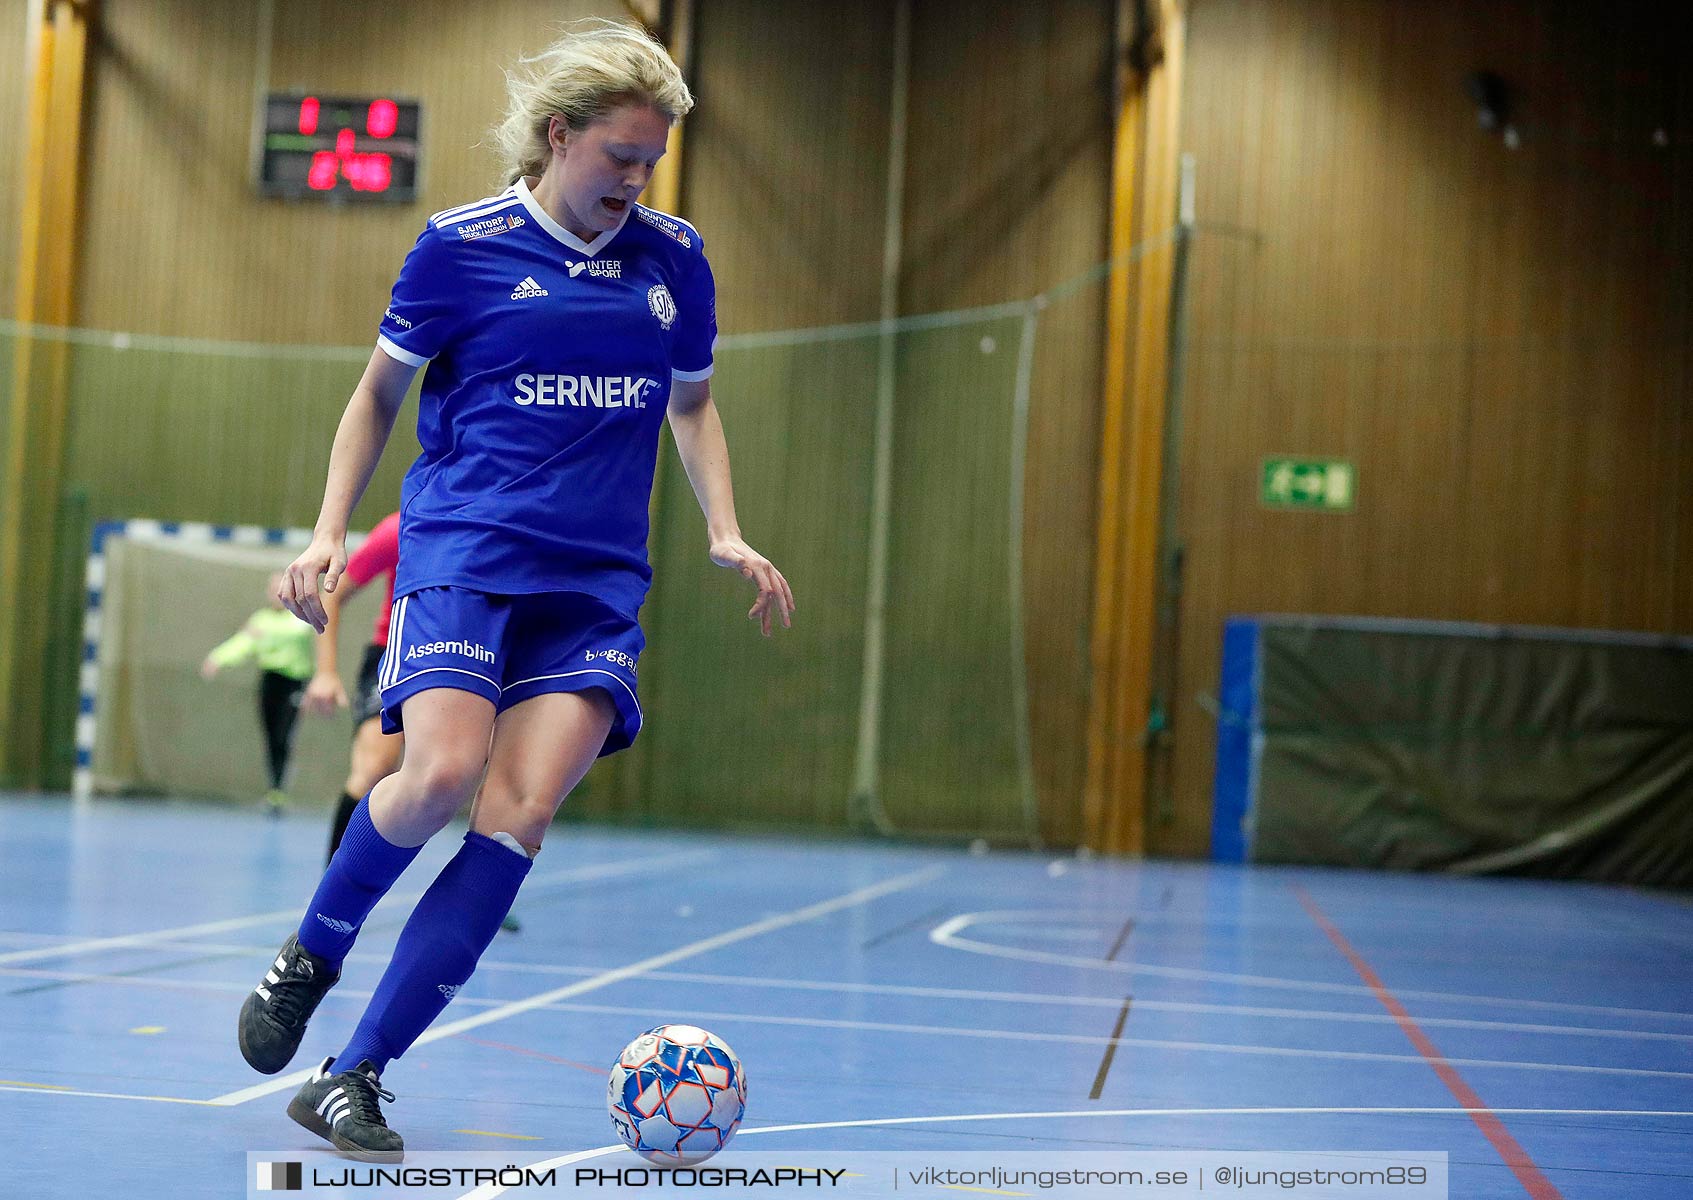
{"x":561,"y":323}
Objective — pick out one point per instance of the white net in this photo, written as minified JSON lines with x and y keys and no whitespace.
{"x":151,"y":724}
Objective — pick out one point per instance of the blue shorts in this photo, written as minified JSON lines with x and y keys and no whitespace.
{"x":509,"y":648}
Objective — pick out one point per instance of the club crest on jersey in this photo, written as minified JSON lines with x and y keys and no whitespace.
{"x":664,"y":308}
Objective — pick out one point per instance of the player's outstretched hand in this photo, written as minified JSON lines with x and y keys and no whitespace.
{"x":326,"y":557}
{"x":324,"y":694}
{"x":775,"y":597}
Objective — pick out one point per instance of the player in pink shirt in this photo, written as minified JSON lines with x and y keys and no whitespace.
{"x":375,"y":754}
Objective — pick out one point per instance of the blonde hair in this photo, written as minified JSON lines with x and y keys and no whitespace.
{"x":598,"y":65}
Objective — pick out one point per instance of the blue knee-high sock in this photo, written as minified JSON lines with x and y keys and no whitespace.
{"x":437,"y":951}
{"x":365,"y":866}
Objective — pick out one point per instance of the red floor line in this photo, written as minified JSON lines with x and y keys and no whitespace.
{"x":552,"y":1058}
{"x":1522,"y":1166}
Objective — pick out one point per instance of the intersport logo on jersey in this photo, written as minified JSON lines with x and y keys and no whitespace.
{"x":583,"y":391}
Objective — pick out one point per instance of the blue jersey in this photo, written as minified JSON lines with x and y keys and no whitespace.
{"x":549,"y":368}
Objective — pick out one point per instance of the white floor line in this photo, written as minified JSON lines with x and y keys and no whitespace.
{"x":128,"y":940}
{"x":1229,"y":1112}
{"x":1093,"y":1002}
{"x":59,"y":1091}
{"x":716,"y":1019}
{"x":946,"y":934}
{"x":1110,"y":1002}
{"x":131,"y":940}
{"x":142,"y":981}
{"x":490,"y":1191}
{"x":702,"y":946}
{"x":1113,"y":1002}
{"x":872,"y":1026}
{"x":616,"y":867}
{"x":1679,"y":1114}
{"x":1142,"y":1004}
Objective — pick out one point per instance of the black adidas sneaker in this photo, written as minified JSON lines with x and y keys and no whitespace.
{"x":273,"y":1020}
{"x":343,"y":1110}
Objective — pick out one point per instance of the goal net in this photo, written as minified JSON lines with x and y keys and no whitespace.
{"x":915,"y":478}
{"x":159,"y":597}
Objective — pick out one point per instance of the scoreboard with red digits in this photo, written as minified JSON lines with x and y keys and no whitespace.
{"x":339,"y":147}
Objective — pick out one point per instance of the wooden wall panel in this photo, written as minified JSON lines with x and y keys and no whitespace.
{"x":178,"y":242}
{"x":14,"y":96}
{"x":787,"y":158}
{"x":784,"y":173}
{"x":1004,"y":186}
{"x":1006,"y":180}
{"x":1007,"y":191}
{"x":1497,"y":338}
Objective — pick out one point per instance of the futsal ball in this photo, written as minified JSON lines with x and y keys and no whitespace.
{"x":676,"y":1095}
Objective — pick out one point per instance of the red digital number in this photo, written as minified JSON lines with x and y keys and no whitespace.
{"x":364,"y":172}
{"x":367,"y":172}
{"x":382,"y":119}
{"x":325,"y":168}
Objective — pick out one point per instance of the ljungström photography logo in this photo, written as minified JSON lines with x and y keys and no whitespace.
{"x":279,"y":1176}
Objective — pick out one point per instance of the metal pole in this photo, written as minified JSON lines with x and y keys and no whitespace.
{"x":1166,"y":649}
{"x":1021,"y":731}
{"x":866,"y":803}
{"x":264,"y":21}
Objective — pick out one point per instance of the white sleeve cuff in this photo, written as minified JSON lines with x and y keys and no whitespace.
{"x":399,"y":353}
{"x":694,"y":376}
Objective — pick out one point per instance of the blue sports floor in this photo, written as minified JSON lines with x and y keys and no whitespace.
{"x":881,"y":997}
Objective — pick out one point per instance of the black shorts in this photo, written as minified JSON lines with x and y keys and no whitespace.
{"x":367,"y":697}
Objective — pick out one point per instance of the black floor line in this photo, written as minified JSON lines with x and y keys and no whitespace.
{"x":1110,"y":1050}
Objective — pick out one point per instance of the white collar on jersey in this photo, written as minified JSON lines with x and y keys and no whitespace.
{"x":560,"y":232}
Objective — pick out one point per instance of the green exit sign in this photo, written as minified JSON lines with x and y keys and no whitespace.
{"x":1326,"y":483}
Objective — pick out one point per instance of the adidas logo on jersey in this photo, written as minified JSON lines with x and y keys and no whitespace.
{"x":528,"y":289}
{"x":449,"y":990}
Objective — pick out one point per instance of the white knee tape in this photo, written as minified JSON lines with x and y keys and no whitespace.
{"x":512,"y":844}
